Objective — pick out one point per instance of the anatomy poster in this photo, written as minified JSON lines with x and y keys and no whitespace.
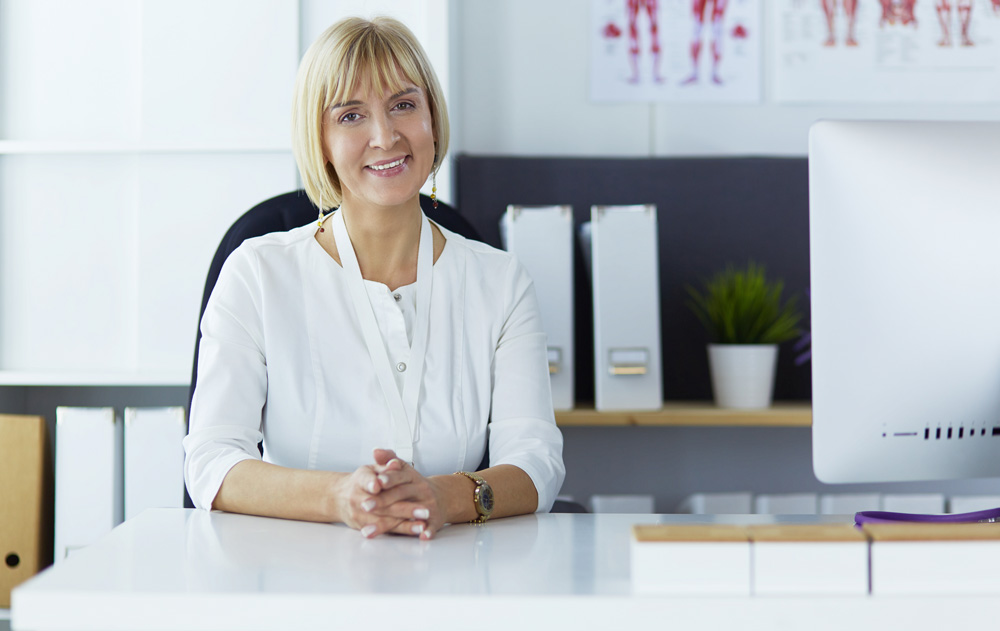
{"x":887,"y":50}
{"x":675,"y":50}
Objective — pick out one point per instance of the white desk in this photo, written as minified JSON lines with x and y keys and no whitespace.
{"x":186,"y":569}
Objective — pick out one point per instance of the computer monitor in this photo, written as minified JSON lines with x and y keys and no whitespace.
{"x":905,"y":291}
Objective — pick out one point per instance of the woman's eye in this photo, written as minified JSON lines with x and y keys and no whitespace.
{"x":350,"y":117}
{"x":405,"y":105}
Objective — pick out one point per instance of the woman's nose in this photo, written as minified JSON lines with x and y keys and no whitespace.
{"x":384,"y":133}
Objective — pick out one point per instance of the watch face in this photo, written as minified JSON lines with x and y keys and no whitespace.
{"x":486,"y":498}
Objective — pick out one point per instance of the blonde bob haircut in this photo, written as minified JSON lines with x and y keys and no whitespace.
{"x":355,"y":54}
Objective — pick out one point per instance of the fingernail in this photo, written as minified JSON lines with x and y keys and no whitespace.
{"x":383,"y":479}
{"x":397,"y":461}
{"x":421,"y":513}
{"x":371,"y":486}
{"x":368,"y":530}
{"x":417,"y":529}
{"x":427,"y":534}
{"x":368,"y":505}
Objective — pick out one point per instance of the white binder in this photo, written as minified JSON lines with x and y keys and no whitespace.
{"x":542,"y":239}
{"x":89,"y":499}
{"x":626,"y":280}
{"x":154,"y":459}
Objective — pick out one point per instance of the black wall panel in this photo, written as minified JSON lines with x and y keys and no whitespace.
{"x":711,"y":211}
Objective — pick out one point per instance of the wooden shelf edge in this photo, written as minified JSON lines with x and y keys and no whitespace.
{"x":692,"y":414}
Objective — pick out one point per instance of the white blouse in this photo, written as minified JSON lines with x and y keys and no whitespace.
{"x":283,"y":360}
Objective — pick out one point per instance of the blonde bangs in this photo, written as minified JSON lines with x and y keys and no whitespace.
{"x":374,"y":62}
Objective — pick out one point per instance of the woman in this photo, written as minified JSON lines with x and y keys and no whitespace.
{"x":373,"y":352}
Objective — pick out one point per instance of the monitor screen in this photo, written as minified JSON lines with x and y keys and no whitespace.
{"x":905,"y":292}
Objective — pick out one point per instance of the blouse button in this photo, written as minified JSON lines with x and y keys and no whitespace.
{"x":400,"y":366}
{"x":397,"y":297}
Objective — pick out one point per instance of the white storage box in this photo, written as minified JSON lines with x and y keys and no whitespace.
{"x":691,"y":559}
{"x":914,"y":558}
{"x":848,"y":503}
{"x":541,"y":237}
{"x":635,"y":503}
{"x":625,"y":273}
{"x":913,"y":502}
{"x":813,"y":559}
{"x":786,"y":504}
{"x":154,"y":459}
{"x":738,"y":503}
{"x":89,"y":493}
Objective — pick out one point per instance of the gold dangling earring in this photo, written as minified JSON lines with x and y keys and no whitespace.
{"x":434,"y":189}
{"x":319,"y":222}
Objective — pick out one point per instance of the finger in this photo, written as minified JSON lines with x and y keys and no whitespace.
{"x":379,"y":526}
{"x":411,"y":528}
{"x":393,"y":475}
{"x":383,"y":456}
{"x":393,"y":465}
{"x":366,"y":480}
{"x":405,"y":510}
{"x":402,"y":493}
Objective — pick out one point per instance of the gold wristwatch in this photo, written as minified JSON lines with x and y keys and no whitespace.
{"x":482,"y":496}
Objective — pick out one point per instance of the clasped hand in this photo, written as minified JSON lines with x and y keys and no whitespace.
{"x":390,"y":496}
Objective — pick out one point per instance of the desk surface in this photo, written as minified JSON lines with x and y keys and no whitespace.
{"x":188,"y":569}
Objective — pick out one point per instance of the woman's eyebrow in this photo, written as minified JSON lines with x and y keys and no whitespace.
{"x":345,"y":104}
{"x":404,"y":93}
{"x":394,"y":96}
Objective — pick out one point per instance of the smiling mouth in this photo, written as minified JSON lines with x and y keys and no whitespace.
{"x":387,"y":165}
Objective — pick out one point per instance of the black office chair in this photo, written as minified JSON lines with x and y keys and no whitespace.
{"x":292,"y":210}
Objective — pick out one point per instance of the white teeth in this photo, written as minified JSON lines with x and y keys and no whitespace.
{"x":389,"y":165}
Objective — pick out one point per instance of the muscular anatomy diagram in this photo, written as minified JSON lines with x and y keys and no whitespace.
{"x":897,"y":11}
{"x":964,"y":7}
{"x":850,"y":11}
{"x":700,"y":8}
{"x":634,"y":7}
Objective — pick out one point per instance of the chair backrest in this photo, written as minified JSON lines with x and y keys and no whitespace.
{"x":285,"y":212}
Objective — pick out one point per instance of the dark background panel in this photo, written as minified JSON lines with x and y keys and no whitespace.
{"x":711,"y":212}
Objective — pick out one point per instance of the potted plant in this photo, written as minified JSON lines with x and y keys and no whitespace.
{"x":746,"y":321}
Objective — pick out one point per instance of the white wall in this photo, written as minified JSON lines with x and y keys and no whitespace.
{"x":132,"y":134}
{"x":524,"y":85}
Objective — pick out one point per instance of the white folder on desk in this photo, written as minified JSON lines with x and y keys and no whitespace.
{"x":154,"y":459}
{"x":625,"y":274}
{"x":89,"y":499}
{"x":542,"y":239}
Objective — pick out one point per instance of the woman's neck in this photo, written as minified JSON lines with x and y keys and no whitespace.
{"x":385,"y":241}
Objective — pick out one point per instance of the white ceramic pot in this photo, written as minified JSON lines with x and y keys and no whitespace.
{"x":743,"y":374}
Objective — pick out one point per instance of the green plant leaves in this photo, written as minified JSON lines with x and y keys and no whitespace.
{"x":740,"y":306}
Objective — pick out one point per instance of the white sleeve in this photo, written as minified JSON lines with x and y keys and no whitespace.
{"x":225,"y":418}
{"x":523,"y":428}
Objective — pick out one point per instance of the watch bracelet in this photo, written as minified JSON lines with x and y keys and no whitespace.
{"x":478,"y":479}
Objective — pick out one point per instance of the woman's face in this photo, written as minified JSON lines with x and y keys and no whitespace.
{"x":381,"y":145}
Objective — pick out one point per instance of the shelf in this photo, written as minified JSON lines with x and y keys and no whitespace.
{"x":34,"y":147}
{"x":28,"y":378}
{"x":692,"y":414}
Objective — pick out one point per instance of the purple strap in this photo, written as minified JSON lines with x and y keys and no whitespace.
{"x":885,"y":517}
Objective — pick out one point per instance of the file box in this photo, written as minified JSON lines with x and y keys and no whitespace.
{"x":809,"y":559}
{"x":625,"y":275}
{"x":541,"y":237}
{"x":690,"y":559}
{"x":926,"y":558}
